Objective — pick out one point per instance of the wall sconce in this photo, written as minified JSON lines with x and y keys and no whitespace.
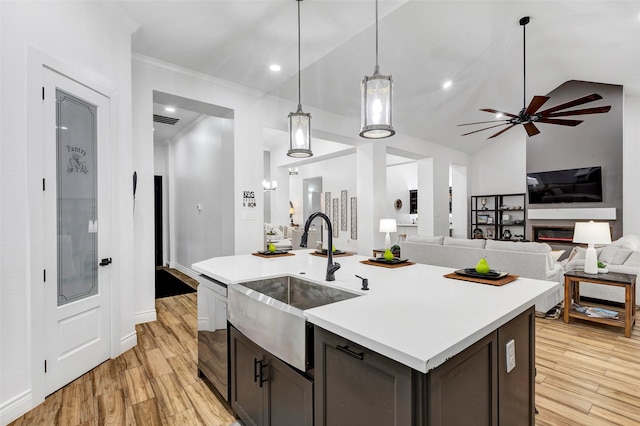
{"x":293,"y":171}
{"x":269,"y":186}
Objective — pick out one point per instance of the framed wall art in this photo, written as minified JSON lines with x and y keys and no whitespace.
{"x":343,"y":210}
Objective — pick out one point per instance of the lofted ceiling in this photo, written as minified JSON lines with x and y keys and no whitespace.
{"x":476,"y":44}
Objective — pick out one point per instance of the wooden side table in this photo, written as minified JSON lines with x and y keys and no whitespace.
{"x":572,"y":281}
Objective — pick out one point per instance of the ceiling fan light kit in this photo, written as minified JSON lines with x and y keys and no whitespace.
{"x":377,"y":95}
{"x":530,"y":114}
{"x":299,"y":121}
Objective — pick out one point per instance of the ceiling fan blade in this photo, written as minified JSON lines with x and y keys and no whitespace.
{"x":481,"y":122}
{"x":584,"y":100}
{"x":486,"y":128}
{"x":596,"y":110}
{"x":502,"y":131}
{"x":495,"y":111}
{"x":531,"y":129}
{"x":571,"y":123}
{"x":535,"y":104}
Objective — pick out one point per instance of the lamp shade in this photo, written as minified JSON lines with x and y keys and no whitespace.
{"x":388,"y":225}
{"x":592,"y":233}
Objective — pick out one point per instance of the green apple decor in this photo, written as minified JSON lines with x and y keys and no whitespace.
{"x":483,"y":267}
{"x":388,"y":255}
{"x":271,"y":247}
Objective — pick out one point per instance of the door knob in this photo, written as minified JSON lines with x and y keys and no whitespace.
{"x":106,"y":261}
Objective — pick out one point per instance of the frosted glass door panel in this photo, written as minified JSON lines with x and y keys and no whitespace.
{"x":76,"y":198}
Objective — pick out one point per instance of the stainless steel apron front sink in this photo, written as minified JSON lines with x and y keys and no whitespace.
{"x":270,"y":312}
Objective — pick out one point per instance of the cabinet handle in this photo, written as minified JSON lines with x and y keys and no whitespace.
{"x":255,"y":370}
{"x":345,"y":349}
{"x":262,"y":379}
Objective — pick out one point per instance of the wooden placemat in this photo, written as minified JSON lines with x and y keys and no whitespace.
{"x":335,"y":255}
{"x":268,"y":256}
{"x":387,"y":265}
{"x":502,"y":281}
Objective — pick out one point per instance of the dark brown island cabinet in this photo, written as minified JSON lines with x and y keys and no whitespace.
{"x":489,"y":383}
{"x":265,"y":390}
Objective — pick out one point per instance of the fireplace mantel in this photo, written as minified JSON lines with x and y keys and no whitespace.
{"x":605,"y":213}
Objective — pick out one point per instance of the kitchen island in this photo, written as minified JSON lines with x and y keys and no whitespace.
{"x":414,"y":317}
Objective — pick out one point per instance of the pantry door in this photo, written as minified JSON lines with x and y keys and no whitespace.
{"x":77,"y":228}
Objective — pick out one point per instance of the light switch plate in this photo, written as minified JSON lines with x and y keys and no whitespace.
{"x":511,"y":355}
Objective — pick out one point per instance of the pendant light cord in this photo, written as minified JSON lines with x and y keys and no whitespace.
{"x":299,"y":86}
{"x":524,"y":66}
{"x":377,"y":69}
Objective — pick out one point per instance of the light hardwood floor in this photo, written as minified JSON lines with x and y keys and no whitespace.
{"x":588,"y":374}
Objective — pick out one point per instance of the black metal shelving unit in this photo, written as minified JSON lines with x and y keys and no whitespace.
{"x":498,"y":217}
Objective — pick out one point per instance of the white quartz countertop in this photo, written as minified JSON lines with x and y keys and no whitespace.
{"x":411,"y":314}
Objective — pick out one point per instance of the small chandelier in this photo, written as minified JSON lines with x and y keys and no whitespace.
{"x":377,"y":95}
{"x":299,"y":121}
{"x":269,"y":185}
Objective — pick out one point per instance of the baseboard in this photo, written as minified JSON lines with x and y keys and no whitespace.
{"x":128,"y":342}
{"x":146,"y":316}
{"x":15,"y":407}
{"x":190,"y":272}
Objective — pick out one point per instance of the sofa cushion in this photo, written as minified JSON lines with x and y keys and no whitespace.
{"x":614,"y":254}
{"x":424,"y":239}
{"x":628,"y":241}
{"x":633,"y":259}
{"x":461,"y":242}
{"x":518,"y":246}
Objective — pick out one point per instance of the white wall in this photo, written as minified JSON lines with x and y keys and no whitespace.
{"x":400,"y":179}
{"x":244,"y":173}
{"x":197,"y":179}
{"x":631,"y":157}
{"x":81,"y":38}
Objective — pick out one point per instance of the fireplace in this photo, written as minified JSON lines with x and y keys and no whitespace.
{"x":553,"y":234}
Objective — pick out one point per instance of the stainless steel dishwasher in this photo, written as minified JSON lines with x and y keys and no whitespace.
{"x":212,"y":334}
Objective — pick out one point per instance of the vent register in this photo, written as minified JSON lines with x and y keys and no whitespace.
{"x":165,"y":120}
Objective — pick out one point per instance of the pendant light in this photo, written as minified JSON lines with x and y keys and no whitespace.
{"x":299,"y":122}
{"x":377,"y":94}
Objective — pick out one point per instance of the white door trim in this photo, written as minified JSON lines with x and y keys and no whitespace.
{"x":37,"y":61}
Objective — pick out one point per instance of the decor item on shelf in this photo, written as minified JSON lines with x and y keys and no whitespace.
{"x":377,"y":95}
{"x":591,"y":233}
{"x":529,"y":115}
{"x":388,"y":225}
{"x":489,"y":233}
{"x":483,"y":218}
{"x":506,"y":235}
{"x":483,"y":201}
{"x":299,"y":121}
{"x":477,"y":233}
{"x":292,"y":211}
{"x":269,"y":185}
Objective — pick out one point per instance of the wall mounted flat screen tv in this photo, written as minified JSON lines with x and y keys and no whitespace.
{"x":583,"y":185}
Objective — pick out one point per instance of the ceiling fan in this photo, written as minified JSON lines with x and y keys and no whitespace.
{"x":529,"y":115}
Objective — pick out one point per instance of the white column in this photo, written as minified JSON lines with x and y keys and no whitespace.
{"x":371,"y":163}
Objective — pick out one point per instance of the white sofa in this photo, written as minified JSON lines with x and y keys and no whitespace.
{"x":622,"y":255}
{"x":530,"y":260}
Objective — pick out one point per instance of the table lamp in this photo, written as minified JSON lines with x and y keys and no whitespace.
{"x":388,"y":225}
{"x":591,"y":233}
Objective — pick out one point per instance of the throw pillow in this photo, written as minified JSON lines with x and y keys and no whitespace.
{"x":614,"y":254}
{"x":460,"y":242}
{"x":634,"y":259}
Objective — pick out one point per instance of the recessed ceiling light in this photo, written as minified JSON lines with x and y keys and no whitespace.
{"x":447,"y":84}
{"x":170,"y":109}
{"x":275,"y":67}
{"x":499,"y":115}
